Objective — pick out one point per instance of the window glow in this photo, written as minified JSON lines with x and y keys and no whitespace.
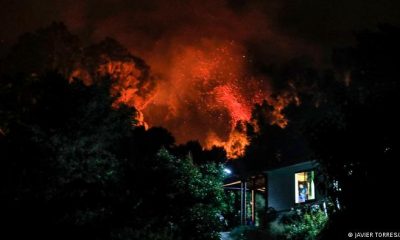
{"x":304,"y":186}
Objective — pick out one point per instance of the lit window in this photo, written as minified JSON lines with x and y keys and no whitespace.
{"x":304,"y":186}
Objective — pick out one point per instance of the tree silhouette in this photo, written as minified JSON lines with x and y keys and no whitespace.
{"x":359,"y":149}
{"x":76,"y":165}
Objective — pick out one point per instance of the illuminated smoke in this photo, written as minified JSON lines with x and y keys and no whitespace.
{"x":199,"y":80}
{"x":234,"y":145}
{"x":201,"y":55}
{"x":206,"y":94}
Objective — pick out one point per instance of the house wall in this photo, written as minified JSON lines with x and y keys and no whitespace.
{"x":281,"y":185}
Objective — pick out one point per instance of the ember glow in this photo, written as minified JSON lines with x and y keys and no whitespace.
{"x":234,"y":145}
{"x":201,"y":75}
{"x":198,"y":78}
{"x":204,"y":93}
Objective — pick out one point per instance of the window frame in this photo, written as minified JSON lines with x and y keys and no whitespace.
{"x":296,"y":186}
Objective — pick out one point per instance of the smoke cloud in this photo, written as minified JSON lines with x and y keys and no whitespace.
{"x":205,"y":57}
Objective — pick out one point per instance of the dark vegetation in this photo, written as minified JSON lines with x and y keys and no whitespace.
{"x":348,"y":121}
{"x":75,"y":166}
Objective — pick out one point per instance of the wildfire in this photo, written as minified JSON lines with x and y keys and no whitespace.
{"x":235,"y":144}
{"x":279,"y":104}
{"x":229,"y":97}
{"x":203,"y":93}
{"x":200,"y":84}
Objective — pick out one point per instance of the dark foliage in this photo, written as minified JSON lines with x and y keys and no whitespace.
{"x":75,"y":167}
{"x":360,"y":149}
{"x":199,"y":155}
{"x":59,"y":155}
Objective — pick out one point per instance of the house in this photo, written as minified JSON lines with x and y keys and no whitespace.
{"x":281,"y":188}
{"x":292,"y":185}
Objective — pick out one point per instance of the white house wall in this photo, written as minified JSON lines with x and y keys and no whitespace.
{"x":281,"y":185}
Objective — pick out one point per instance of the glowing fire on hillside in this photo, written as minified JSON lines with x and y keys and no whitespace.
{"x":204,"y":94}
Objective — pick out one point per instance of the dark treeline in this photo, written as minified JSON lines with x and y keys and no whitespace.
{"x":348,"y":121}
{"x":75,"y":166}
{"x":359,"y":147}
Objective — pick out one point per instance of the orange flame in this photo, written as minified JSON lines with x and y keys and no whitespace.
{"x":125,"y":76}
{"x":204,"y":94}
{"x":234,"y":146}
{"x":238,"y":107}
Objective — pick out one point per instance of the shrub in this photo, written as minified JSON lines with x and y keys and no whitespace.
{"x":304,"y":223}
{"x":248,"y":233}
